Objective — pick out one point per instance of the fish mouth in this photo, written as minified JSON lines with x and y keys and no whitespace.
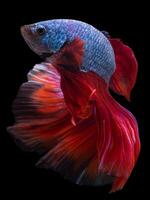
{"x":27,"y":36}
{"x":26,"y":33}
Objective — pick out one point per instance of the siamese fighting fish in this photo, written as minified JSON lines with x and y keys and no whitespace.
{"x":65,"y":111}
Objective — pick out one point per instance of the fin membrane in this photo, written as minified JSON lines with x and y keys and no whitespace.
{"x":124,"y":77}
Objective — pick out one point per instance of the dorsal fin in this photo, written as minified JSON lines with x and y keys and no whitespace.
{"x":106,"y":34}
{"x":124,"y":77}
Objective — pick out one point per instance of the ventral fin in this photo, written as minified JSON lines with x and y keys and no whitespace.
{"x":123,"y":79}
{"x":78,"y":94}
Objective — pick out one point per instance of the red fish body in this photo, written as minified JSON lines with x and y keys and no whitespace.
{"x":69,"y":115}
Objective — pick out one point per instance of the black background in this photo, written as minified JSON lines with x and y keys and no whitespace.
{"x":20,"y":177}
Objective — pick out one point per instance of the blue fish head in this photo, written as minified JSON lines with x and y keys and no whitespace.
{"x":44,"y":37}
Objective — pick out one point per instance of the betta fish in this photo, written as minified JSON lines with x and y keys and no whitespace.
{"x":65,"y":111}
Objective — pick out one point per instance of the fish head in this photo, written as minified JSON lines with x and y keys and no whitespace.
{"x":44,"y":38}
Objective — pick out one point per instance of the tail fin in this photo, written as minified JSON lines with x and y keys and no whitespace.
{"x":114,"y":130}
{"x":118,"y":143}
{"x":124,"y":77}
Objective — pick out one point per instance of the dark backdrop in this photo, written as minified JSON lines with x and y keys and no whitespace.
{"x":21,"y":177}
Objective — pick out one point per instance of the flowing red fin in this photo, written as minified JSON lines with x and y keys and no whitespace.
{"x":73,"y":153}
{"x":71,"y":56}
{"x":75,"y":90}
{"x":77,"y":94}
{"x":102,"y":148}
{"x":114,"y":131}
{"x":124,"y":77}
{"x":118,"y":142}
{"x":43,"y":124}
{"x":40,"y":111}
{"x":118,"y":138}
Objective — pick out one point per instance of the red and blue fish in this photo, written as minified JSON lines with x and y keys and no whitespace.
{"x":65,"y":110}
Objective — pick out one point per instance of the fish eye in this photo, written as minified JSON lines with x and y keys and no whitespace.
{"x":41,"y":30}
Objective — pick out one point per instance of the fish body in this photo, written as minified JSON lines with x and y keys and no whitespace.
{"x":65,"y":109}
{"x":98,"y":52}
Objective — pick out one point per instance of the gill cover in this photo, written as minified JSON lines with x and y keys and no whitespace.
{"x":56,"y":39}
